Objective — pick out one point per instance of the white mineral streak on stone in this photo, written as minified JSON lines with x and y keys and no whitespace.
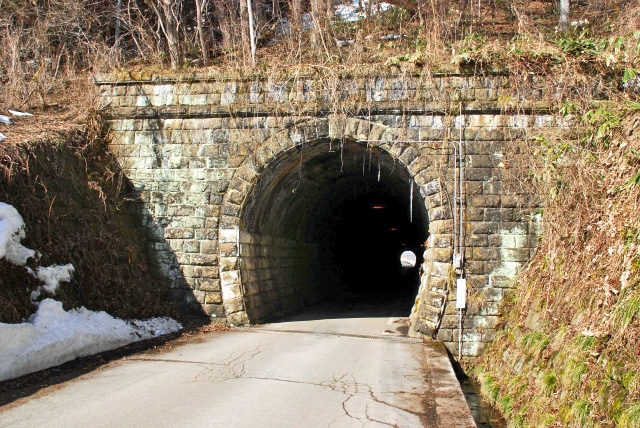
{"x":510,"y":240}
{"x":229,"y":235}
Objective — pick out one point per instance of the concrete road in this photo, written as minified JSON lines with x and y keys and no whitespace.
{"x":264,"y":378}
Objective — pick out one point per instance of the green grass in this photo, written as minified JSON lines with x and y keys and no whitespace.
{"x":630,"y":418}
{"x":490,"y":389}
{"x":576,"y":369}
{"x":535,"y":342}
{"x":506,"y":405}
{"x":517,"y":421}
{"x":627,"y":311}
{"x":580,"y":413}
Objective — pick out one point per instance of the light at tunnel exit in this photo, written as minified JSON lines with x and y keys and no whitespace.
{"x":408,"y":259}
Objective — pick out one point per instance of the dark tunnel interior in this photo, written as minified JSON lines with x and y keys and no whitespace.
{"x":353,"y":212}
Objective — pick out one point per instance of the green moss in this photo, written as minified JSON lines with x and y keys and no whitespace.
{"x":576,"y":369}
{"x":517,"y":421}
{"x":585,"y":343}
{"x":549,"y":382}
{"x":547,"y":419}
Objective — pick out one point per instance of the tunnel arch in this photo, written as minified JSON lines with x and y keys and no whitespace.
{"x":244,"y":232}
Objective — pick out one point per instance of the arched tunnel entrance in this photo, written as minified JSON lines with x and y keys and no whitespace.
{"x":327,"y":220}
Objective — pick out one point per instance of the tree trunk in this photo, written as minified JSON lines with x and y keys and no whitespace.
{"x":244,"y":31}
{"x":204,"y":46}
{"x":118,"y":12}
{"x":565,"y":15}
{"x":319,"y":16}
{"x":252,"y":36}
{"x":169,"y":18}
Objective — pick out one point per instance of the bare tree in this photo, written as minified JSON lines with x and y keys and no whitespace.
{"x":169,"y":13}
{"x":320,"y":15}
{"x":204,"y":46}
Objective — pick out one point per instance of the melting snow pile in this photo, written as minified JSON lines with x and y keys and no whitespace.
{"x":356,"y":9}
{"x":53,"y":336}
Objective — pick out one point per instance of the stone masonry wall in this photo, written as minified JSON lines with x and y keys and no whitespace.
{"x":275,"y":274}
{"x":193,"y":146}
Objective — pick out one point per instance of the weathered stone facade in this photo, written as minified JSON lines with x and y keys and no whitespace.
{"x":201,"y":150}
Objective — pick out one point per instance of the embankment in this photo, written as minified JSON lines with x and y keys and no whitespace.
{"x":77,"y":209}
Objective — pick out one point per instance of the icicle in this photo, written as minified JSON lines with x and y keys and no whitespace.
{"x":411,"y":203}
{"x":370,"y":153}
{"x":364,"y":161}
{"x":378,"y":169}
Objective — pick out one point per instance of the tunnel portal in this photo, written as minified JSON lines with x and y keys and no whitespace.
{"x":252,"y":191}
{"x":328,"y":221}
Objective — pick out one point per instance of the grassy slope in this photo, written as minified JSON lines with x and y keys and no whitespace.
{"x":569,"y":351}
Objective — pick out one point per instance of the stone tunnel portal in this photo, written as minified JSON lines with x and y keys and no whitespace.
{"x":327,"y":221}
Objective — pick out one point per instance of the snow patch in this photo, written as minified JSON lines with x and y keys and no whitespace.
{"x":19,"y":113}
{"x":52,"y":276}
{"x":353,"y":12}
{"x":53,"y":336}
{"x":11,"y":233}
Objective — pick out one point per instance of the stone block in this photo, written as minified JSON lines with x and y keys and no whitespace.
{"x":192,"y":271}
{"x":441,"y":226}
{"x":238,"y":318}
{"x":214,"y":311}
{"x":439,"y":213}
{"x":514,"y":254}
{"x":229,"y":263}
{"x":209,"y":284}
{"x":503,"y":268}
{"x":210,"y":272}
{"x":474,"y":267}
{"x":484,"y":254}
{"x":204,"y":259}
{"x":228,"y":279}
{"x":494,"y":294}
{"x":214,"y":298}
{"x":442,"y":255}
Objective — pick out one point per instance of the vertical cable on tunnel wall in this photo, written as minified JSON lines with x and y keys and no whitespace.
{"x":459,"y":202}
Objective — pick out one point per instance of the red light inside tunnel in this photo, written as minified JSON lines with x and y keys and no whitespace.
{"x":377,"y":207}
{"x":393,"y":228}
